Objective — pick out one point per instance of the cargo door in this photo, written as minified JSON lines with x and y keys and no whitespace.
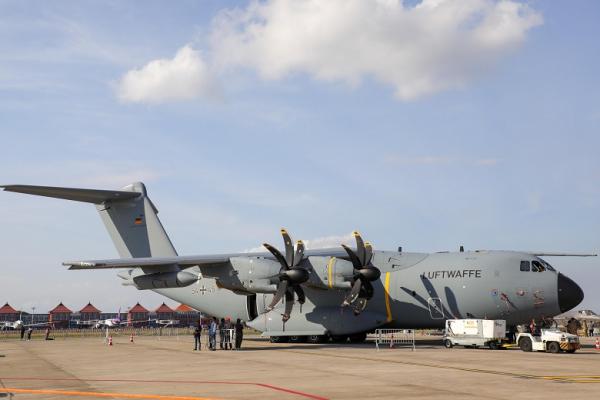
{"x":435,"y":308}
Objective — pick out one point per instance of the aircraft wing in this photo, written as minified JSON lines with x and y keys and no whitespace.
{"x":551,"y":254}
{"x":186,"y":261}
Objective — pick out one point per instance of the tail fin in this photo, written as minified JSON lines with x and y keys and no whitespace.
{"x":129,"y":216}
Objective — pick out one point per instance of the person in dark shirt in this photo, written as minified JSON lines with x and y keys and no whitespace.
{"x":239,"y":334}
{"x":197,"y":333}
{"x":22,"y":332}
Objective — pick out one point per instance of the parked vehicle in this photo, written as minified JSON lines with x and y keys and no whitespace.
{"x":550,"y":340}
{"x":475,"y":333}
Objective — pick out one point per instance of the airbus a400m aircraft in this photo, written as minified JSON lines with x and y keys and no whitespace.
{"x":339,"y":292}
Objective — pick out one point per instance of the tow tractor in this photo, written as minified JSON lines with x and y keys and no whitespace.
{"x":550,"y":340}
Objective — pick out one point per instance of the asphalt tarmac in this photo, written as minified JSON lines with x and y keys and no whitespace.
{"x":167,"y":368}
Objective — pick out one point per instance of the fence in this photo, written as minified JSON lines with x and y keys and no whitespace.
{"x":101,"y":333}
{"x":395,"y":337}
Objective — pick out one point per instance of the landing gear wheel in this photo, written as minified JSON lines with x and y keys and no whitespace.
{"x":358,"y":338}
{"x":297,"y":339}
{"x":278,"y":339}
{"x":553,"y":347}
{"x":525,"y":344}
{"x":315,"y":339}
{"x":339,"y":339}
{"x":448,"y":343}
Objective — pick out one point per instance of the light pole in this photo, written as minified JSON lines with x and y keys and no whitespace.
{"x":32,"y":313}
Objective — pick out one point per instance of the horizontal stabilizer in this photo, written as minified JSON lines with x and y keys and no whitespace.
{"x":84,"y":195}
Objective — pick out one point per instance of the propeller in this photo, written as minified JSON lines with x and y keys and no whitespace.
{"x":364,"y":274}
{"x":291,"y":275}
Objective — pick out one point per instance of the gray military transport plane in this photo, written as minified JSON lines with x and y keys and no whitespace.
{"x":316,"y":294}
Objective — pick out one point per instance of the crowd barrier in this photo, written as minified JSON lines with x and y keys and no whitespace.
{"x":394,"y":337}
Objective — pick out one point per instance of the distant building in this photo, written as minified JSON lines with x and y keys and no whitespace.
{"x":60,"y":316}
{"x":164,"y":312}
{"x":186,"y":315}
{"x":89,"y":313}
{"x":137,"y":314}
{"x":9,"y":314}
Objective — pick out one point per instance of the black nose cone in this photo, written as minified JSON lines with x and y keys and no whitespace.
{"x":569,"y":293}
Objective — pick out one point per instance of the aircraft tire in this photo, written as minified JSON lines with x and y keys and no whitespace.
{"x":278,"y":339}
{"x":339,"y":338}
{"x":525,"y":344}
{"x":553,"y":347}
{"x":358,"y":338}
{"x":448,"y":343}
{"x":297,"y":339}
{"x":315,"y":339}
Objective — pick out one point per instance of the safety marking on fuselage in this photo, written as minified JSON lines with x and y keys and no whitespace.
{"x":388,"y":308}
{"x":551,"y":378}
{"x":330,"y":272}
{"x":98,"y":394}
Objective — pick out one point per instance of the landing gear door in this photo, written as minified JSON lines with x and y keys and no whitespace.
{"x":435,"y":308}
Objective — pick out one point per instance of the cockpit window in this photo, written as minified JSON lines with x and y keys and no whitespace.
{"x":548,"y":266}
{"x":524,"y":265}
{"x":537,"y":266}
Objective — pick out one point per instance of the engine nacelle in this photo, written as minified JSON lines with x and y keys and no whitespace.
{"x":252,"y":274}
{"x":162,"y":280}
{"x":330,"y":272}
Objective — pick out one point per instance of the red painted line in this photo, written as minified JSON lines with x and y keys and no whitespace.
{"x":263,"y":385}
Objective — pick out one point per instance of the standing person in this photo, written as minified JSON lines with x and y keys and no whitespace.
{"x":239,"y":334}
{"x":29,"y":332}
{"x":197,"y":333}
{"x":22,"y":332}
{"x":228,"y":334}
{"x":212,"y":334}
{"x":221,"y":333}
{"x":47,"y":333}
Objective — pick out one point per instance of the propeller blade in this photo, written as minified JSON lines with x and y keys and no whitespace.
{"x":289,"y":248}
{"x":277,"y":255}
{"x":359,"y":306}
{"x":281,"y":290}
{"x":368,"y":289}
{"x":289,"y":304}
{"x":300,"y":294}
{"x":353,"y":257}
{"x":360,"y":248}
{"x":353,"y":295}
{"x":299,"y":252}
{"x":368,"y":253}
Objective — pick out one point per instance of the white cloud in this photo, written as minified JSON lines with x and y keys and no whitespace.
{"x":184,"y":77}
{"x":435,"y":45}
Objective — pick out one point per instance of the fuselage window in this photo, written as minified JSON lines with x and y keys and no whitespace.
{"x":537,"y":266}
{"x":524,"y":265}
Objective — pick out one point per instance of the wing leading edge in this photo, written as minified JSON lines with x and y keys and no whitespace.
{"x":185,"y":261}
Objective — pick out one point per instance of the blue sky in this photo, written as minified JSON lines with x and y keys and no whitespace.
{"x":496,"y":150}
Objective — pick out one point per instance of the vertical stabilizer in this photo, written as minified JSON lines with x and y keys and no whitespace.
{"x":134,"y":226}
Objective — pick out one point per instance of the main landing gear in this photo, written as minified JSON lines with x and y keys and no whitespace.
{"x":316,"y":339}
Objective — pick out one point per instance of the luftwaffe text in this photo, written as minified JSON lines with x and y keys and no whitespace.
{"x":455,"y":273}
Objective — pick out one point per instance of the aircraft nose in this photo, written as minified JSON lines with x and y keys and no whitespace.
{"x":569,"y":293}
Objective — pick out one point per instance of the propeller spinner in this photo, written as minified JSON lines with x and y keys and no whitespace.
{"x":291,"y":275}
{"x":364,"y":274}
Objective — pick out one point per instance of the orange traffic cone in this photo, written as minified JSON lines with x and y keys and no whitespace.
{"x":597,"y":344}
{"x":110,"y":340}
{"x":131,"y":338}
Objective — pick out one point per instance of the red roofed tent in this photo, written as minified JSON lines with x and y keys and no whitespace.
{"x":89,"y":312}
{"x":164,"y":312}
{"x":7,"y":313}
{"x":59,"y":316}
{"x":137,"y":313}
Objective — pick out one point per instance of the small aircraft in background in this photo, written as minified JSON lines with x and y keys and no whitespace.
{"x":16,"y":325}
